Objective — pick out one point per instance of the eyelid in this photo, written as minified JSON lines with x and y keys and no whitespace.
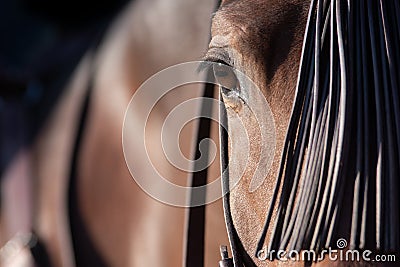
{"x":219,"y":55}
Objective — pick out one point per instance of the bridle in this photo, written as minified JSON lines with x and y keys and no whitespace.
{"x":194,"y":256}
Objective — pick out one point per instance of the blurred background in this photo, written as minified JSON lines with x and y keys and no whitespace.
{"x":67,"y":72}
{"x":42,"y":42}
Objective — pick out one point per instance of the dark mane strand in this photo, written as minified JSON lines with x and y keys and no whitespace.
{"x":342,"y":151}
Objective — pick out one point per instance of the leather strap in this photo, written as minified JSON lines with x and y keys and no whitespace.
{"x":196,"y":218}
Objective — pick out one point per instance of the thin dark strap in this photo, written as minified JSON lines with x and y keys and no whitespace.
{"x":39,"y":252}
{"x":85,"y":251}
{"x":223,"y":133}
{"x":240,"y":256}
{"x":197,"y":215}
{"x":196,"y":218}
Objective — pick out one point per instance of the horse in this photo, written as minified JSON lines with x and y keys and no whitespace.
{"x":329,"y":72}
{"x":264,"y":40}
{"x":87,"y":209}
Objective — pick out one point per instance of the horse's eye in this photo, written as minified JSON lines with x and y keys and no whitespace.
{"x":225,"y":76}
{"x":230,"y":86}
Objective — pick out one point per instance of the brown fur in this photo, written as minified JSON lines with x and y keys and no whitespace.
{"x":266,"y":37}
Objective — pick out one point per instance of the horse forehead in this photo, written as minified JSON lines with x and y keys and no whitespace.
{"x":254,"y":19}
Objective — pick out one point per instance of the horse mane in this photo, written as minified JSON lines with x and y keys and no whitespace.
{"x":340,"y":164}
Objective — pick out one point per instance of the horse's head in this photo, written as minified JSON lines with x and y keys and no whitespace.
{"x":334,"y":166}
{"x":262,"y":39}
